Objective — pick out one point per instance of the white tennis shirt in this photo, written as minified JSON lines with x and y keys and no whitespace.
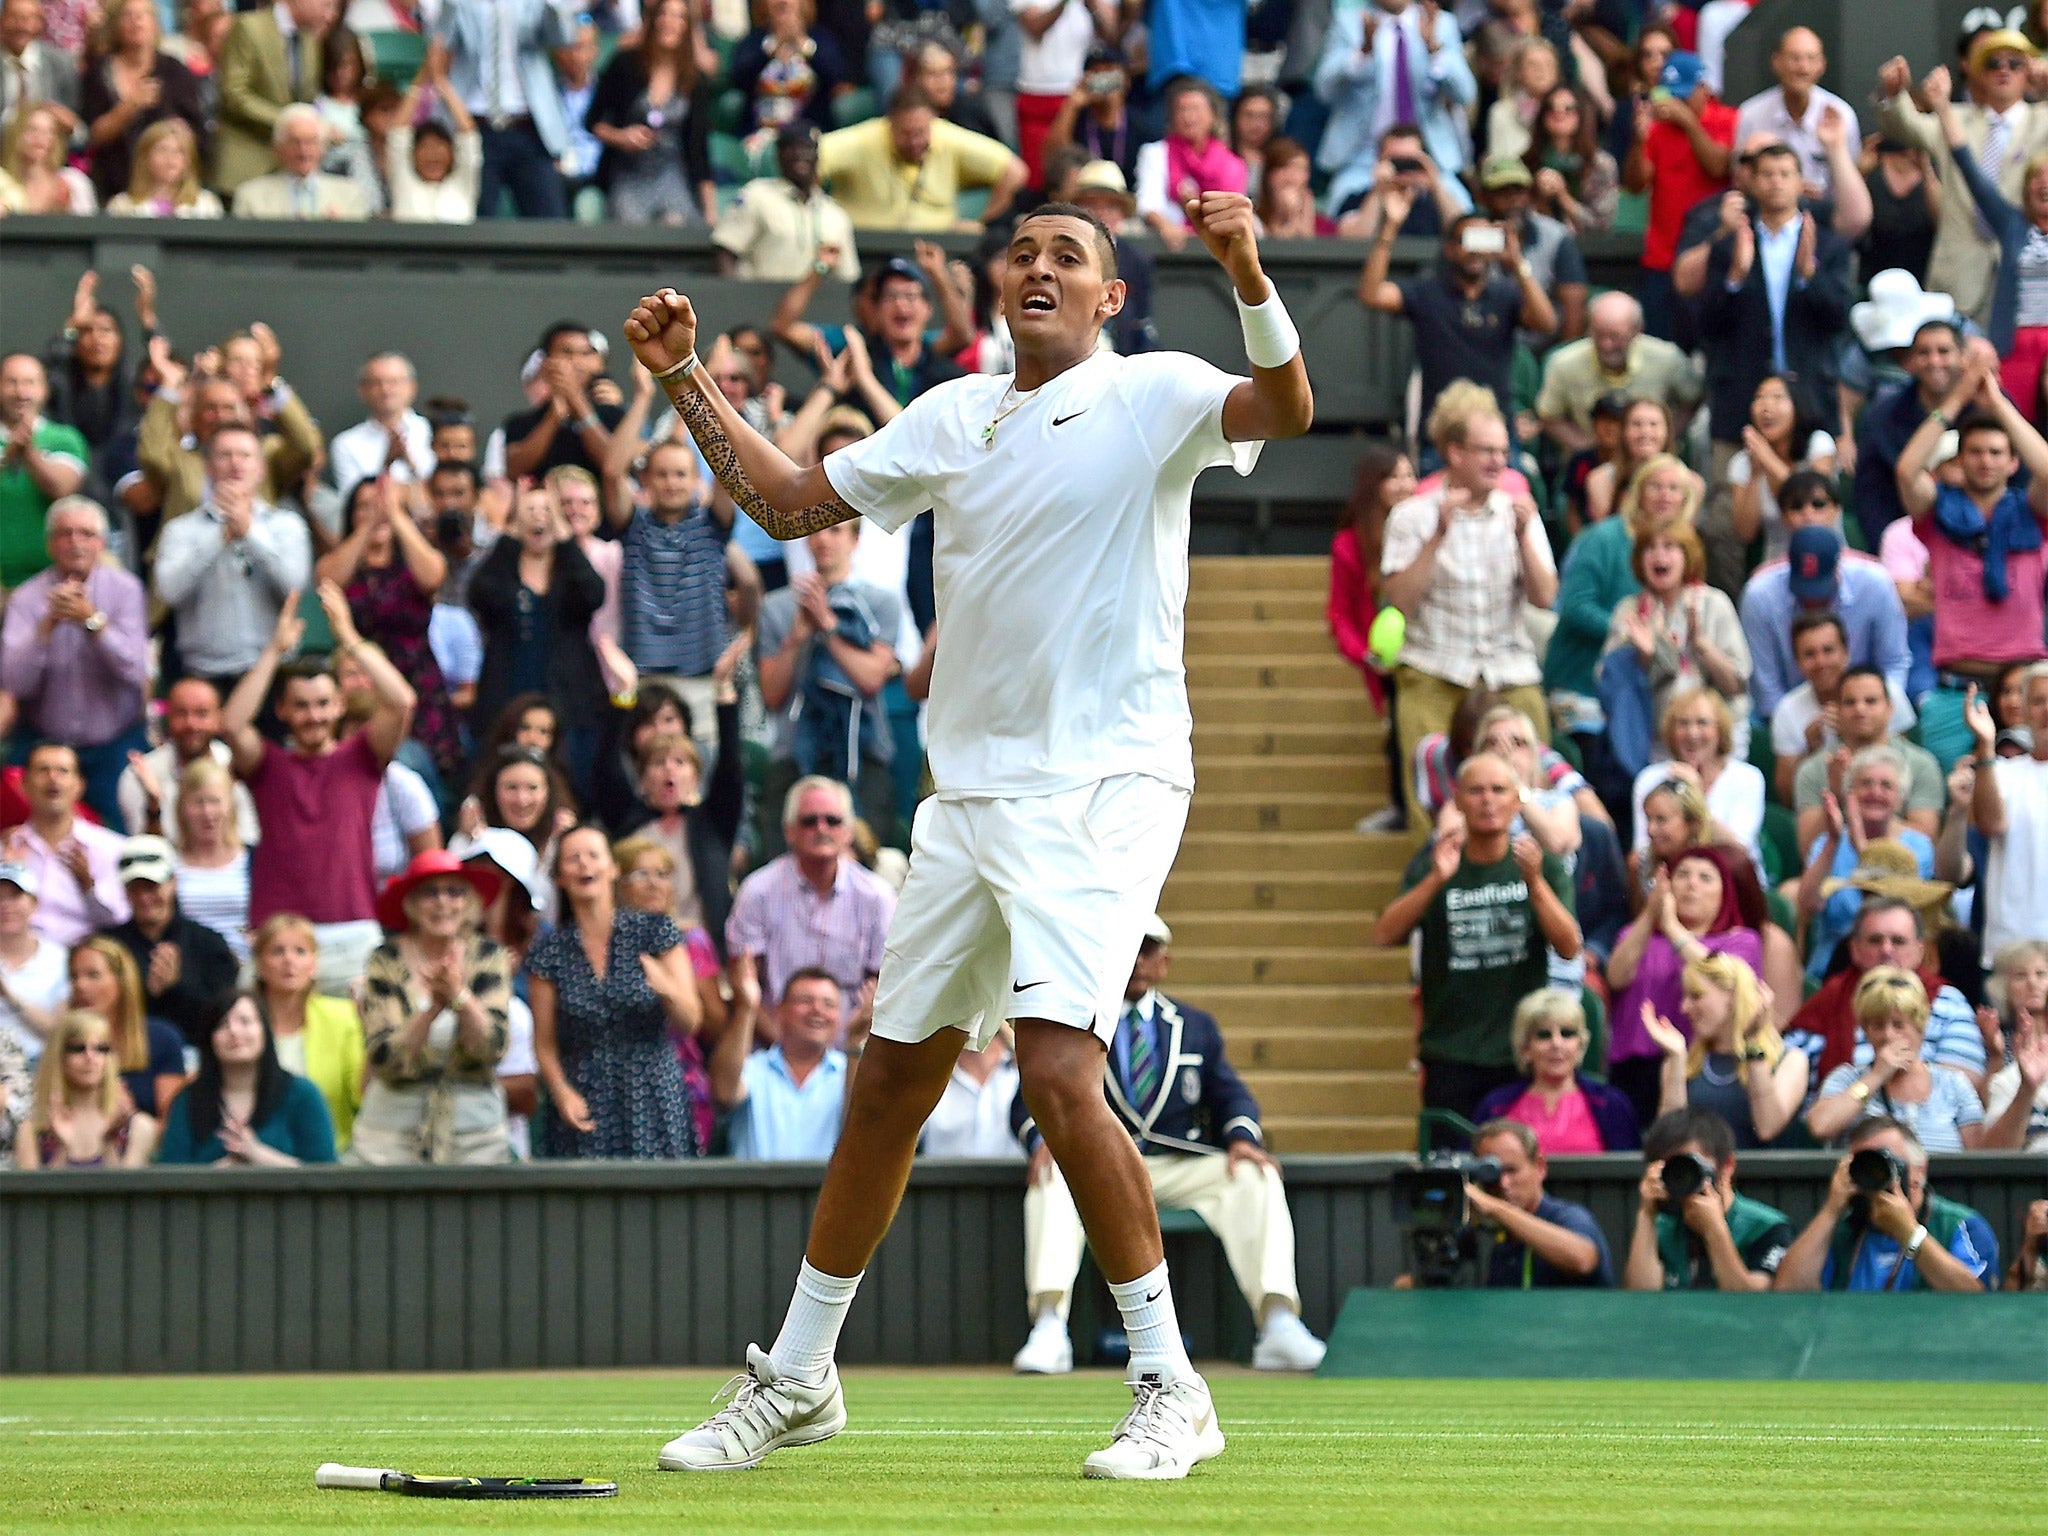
{"x":1060,"y":564}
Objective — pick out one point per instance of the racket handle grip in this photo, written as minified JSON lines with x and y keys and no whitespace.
{"x":332,"y":1474}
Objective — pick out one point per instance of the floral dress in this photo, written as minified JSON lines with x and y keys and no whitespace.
{"x":391,"y":610}
{"x":613,"y":1036}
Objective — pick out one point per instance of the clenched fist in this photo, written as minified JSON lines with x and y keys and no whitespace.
{"x":662,"y":330}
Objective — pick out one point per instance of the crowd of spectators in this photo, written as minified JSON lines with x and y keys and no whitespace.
{"x":1751,"y":562}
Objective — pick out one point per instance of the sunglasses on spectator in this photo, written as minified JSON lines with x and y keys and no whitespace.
{"x":820,"y":820}
{"x":647,"y":876}
{"x":1812,"y":503}
{"x":2002,"y":62}
{"x":80,"y":1047}
{"x":1564,"y":1032}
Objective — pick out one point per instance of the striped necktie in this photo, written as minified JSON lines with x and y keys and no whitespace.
{"x":1991,"y":161}
{"x":1144,"y":1059}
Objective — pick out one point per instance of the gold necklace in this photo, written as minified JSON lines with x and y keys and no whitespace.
{"x":988,"y":433}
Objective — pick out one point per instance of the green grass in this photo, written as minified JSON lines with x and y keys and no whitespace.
{"x":983,"y":1452}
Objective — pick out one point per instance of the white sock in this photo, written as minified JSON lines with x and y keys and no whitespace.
{"x":1147,"y":1306}
{"x":810,"y":1329}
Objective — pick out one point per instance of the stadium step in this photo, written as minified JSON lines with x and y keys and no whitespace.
{"x":1272,"y":900}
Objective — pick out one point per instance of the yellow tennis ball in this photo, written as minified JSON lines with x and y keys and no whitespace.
{"x":1388,"y":633}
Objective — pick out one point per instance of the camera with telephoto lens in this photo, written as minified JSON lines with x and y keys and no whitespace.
{"x":1436,"y":1221}
{"x":1873,"y":1172}
{"x":1685,"y":1174}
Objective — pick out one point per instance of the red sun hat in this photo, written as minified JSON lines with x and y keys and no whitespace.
{"x":434,"y":864}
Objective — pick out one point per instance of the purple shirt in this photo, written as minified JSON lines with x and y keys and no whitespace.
{"x":780,"y":916}
{"x":79,"y":688}
{"x":1660,"y":982}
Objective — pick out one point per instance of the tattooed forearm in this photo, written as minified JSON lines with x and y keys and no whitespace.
{"x":724,"y":459}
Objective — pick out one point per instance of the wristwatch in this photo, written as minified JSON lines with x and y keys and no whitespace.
{"x":95,"y":622}
{"x":1859,"y":1091}
{"x":1913,"y":1243}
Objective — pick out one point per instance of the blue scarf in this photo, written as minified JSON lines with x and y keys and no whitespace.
{"x":2010,"y":527}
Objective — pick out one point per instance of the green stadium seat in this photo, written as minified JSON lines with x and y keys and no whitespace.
{"x":396,"y":56}
{"x":729,"y":160}
{"x":1783,"y":859}
{"x":729,"y":113}
{"x":855,"y":106}
{"x":1174,"y":1218}
{"x":972,"y":202}
{"x":1595,"y":1006}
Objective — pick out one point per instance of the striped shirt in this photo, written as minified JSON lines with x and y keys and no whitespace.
{"x":672,"y":594}
{"x":779,"y":916}
{"x":218,"y":899}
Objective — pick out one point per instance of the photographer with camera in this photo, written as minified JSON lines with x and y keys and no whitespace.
{"x":1693,"y":1231}
{"x":1544,"y":1241}
{"x":1882,"y":1229}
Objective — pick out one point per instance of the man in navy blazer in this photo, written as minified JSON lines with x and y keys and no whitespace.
{"x":1198,"y":1127}
{"x":1776,"y":300}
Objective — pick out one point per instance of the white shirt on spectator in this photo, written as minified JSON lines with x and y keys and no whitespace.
{"x":1800,"y":708}
{"x":405,"y":808}
{"x":1777,"y":538}
{"x":218,"y":898}
{"x":2004,"y":1088}
{"x":973,"y":1119}
{"x":359,"y":452}
{"x":1051,"y":65}
{"x":1736,"y":802}
{"x":43,"y":982}
{"x":1766,"y":112}
{"x":163,"y":761}
{"x":2015,"y":886}
{"x":452,"y":199}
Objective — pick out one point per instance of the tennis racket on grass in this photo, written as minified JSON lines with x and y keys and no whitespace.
{"x":383,"y":1480}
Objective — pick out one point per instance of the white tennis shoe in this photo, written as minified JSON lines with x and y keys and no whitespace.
{"x":1170,"y":1430}
{"x":767,"y":1411}
{"x":1047,"y":1352}
{"x":1285,"y":1344}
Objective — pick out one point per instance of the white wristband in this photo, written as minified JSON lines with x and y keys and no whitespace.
{"x":1270,"y":339}
{"x":686,"y":367}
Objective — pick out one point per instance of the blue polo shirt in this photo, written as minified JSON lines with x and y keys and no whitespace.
{"x":780,"y":1122}
{"x":1513,"y":1266}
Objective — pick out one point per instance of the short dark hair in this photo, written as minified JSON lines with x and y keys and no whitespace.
{"x":462,"y":467}
{"x":1702,"y":1127}
{"x":1515,"y":1130}
{"x":1975,"y":423}
{"x":1772,"y":151}
{"x":1400,"y":131}
{"x":909,"y":97}
{"x":1955,"y":332}
{"x":226,"y":428}
{"x":1801,"y":484}
{"x":1864,"y":669}
{"x":1808,"y":622}
{"x":307,"y":670}
{"x":1878,"y":906}
{"x":558,"y":330}
{"x":810,"y":973}
{"x":1877,"y":1125}
{"x":432,"y":130}
{"x":54,"y":746}
{"x":1105,"y":238}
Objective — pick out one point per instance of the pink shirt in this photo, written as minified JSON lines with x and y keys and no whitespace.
{"x":1968,"y":626}
{"x":1567,"y":1131}
{"x":315,"y":812}
{"x":1901,"y":553}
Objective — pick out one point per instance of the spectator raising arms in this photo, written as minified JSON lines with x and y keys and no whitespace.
{"x":317,"y":794}
{"x":606,"y":987}
{"x":1677,"y":633}
{"x":79,"y":1117}
{"x":435,"y":1005}
{"x":244,"y":1108}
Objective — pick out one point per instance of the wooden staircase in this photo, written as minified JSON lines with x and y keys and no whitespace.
{"x":1272,"y":900}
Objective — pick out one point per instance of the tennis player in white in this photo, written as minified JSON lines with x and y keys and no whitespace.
{"x":1059,"y":739}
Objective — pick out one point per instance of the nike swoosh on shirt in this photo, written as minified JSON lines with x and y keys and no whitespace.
{"x":1061,"y":421}
{"x":1025,"y":986}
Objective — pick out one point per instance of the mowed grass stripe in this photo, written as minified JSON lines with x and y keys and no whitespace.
{"x":981,"y":1452}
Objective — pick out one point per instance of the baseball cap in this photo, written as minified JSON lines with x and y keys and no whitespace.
{"x":897,"y":266}
{"x":1813,"y":556}
{"x":1504,"y":171}
{"x":146,"y":858}
{"x":1157,"y":931}
{"x":1103,"y":56}
{"x":21,"y":877}
{"x":1682,"y":73}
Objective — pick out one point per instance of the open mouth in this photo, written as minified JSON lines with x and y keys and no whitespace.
{"x":1039,"y":304}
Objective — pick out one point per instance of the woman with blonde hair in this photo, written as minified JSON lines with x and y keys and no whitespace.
{"x":1569,"y":1111}
{"x":130,"y":86}
{"x":163,"y":180}
{"x":212,"y":865}
{"x":1736,"y":1064}
{"x":1682,"y":633}
{"x":436,"y":1002}
{"x":77,"y":1116}
{"x":32,"y":163}
{"x":2016,"y":1099}
{"x":1533,"y":72}
{"x":1646,"y":434}
{"x":1698,"y":732}
{"x":1599,"y":575}
{"x":316,"y":1037}
{"x":148,"y":1053}
{"x":1937,"y":1104}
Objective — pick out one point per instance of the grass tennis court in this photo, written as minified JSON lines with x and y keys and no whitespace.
{"x":986,"y":1452}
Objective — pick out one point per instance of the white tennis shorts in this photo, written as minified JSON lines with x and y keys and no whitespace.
{"x":1026,"y":908}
